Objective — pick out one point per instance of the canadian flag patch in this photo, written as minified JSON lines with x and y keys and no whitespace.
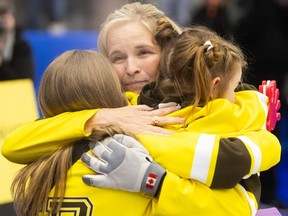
{"x":151,"y":180}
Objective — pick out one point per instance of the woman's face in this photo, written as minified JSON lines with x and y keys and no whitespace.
{"x":134,"y":55}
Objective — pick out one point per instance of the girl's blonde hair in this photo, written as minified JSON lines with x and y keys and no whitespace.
{"x":76,"y":80}
{"x":187,"y":66}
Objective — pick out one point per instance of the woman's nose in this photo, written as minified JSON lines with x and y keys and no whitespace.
{"x":132,"y":67}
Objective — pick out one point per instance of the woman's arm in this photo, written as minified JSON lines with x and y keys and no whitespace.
{"x":41,"y":137}
{"x":135,"y":119}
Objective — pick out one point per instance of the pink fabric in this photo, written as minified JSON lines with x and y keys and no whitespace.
{"x":268,"y":212}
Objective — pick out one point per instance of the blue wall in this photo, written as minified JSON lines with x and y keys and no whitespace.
{"x":46,"y":46}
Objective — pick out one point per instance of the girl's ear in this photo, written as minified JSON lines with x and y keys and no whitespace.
{"x":215,"y":87}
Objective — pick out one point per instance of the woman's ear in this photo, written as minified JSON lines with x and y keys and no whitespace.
{"x":215,"y":87}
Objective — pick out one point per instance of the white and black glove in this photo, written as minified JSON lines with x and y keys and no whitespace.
{"x":128,"y":168}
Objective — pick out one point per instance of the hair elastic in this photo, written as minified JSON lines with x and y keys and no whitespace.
{"x":209,"y":44}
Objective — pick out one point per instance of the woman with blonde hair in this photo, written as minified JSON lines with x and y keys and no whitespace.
{"x":133,"y":119}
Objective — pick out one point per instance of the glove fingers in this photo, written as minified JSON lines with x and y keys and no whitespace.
{"x":93,"y":163}
{"x":95,"y":180}
{"x":100,"y":148}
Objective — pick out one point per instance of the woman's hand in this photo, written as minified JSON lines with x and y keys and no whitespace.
{"x":135,"y":119}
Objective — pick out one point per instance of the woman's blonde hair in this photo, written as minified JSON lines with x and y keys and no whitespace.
{"x":147,"y":14}
{"x":76,"y":80}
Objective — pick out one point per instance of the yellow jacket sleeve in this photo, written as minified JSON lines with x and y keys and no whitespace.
{"x":264,"y":148}
{"x":41,"y":137}
{"x":214,"y":161}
